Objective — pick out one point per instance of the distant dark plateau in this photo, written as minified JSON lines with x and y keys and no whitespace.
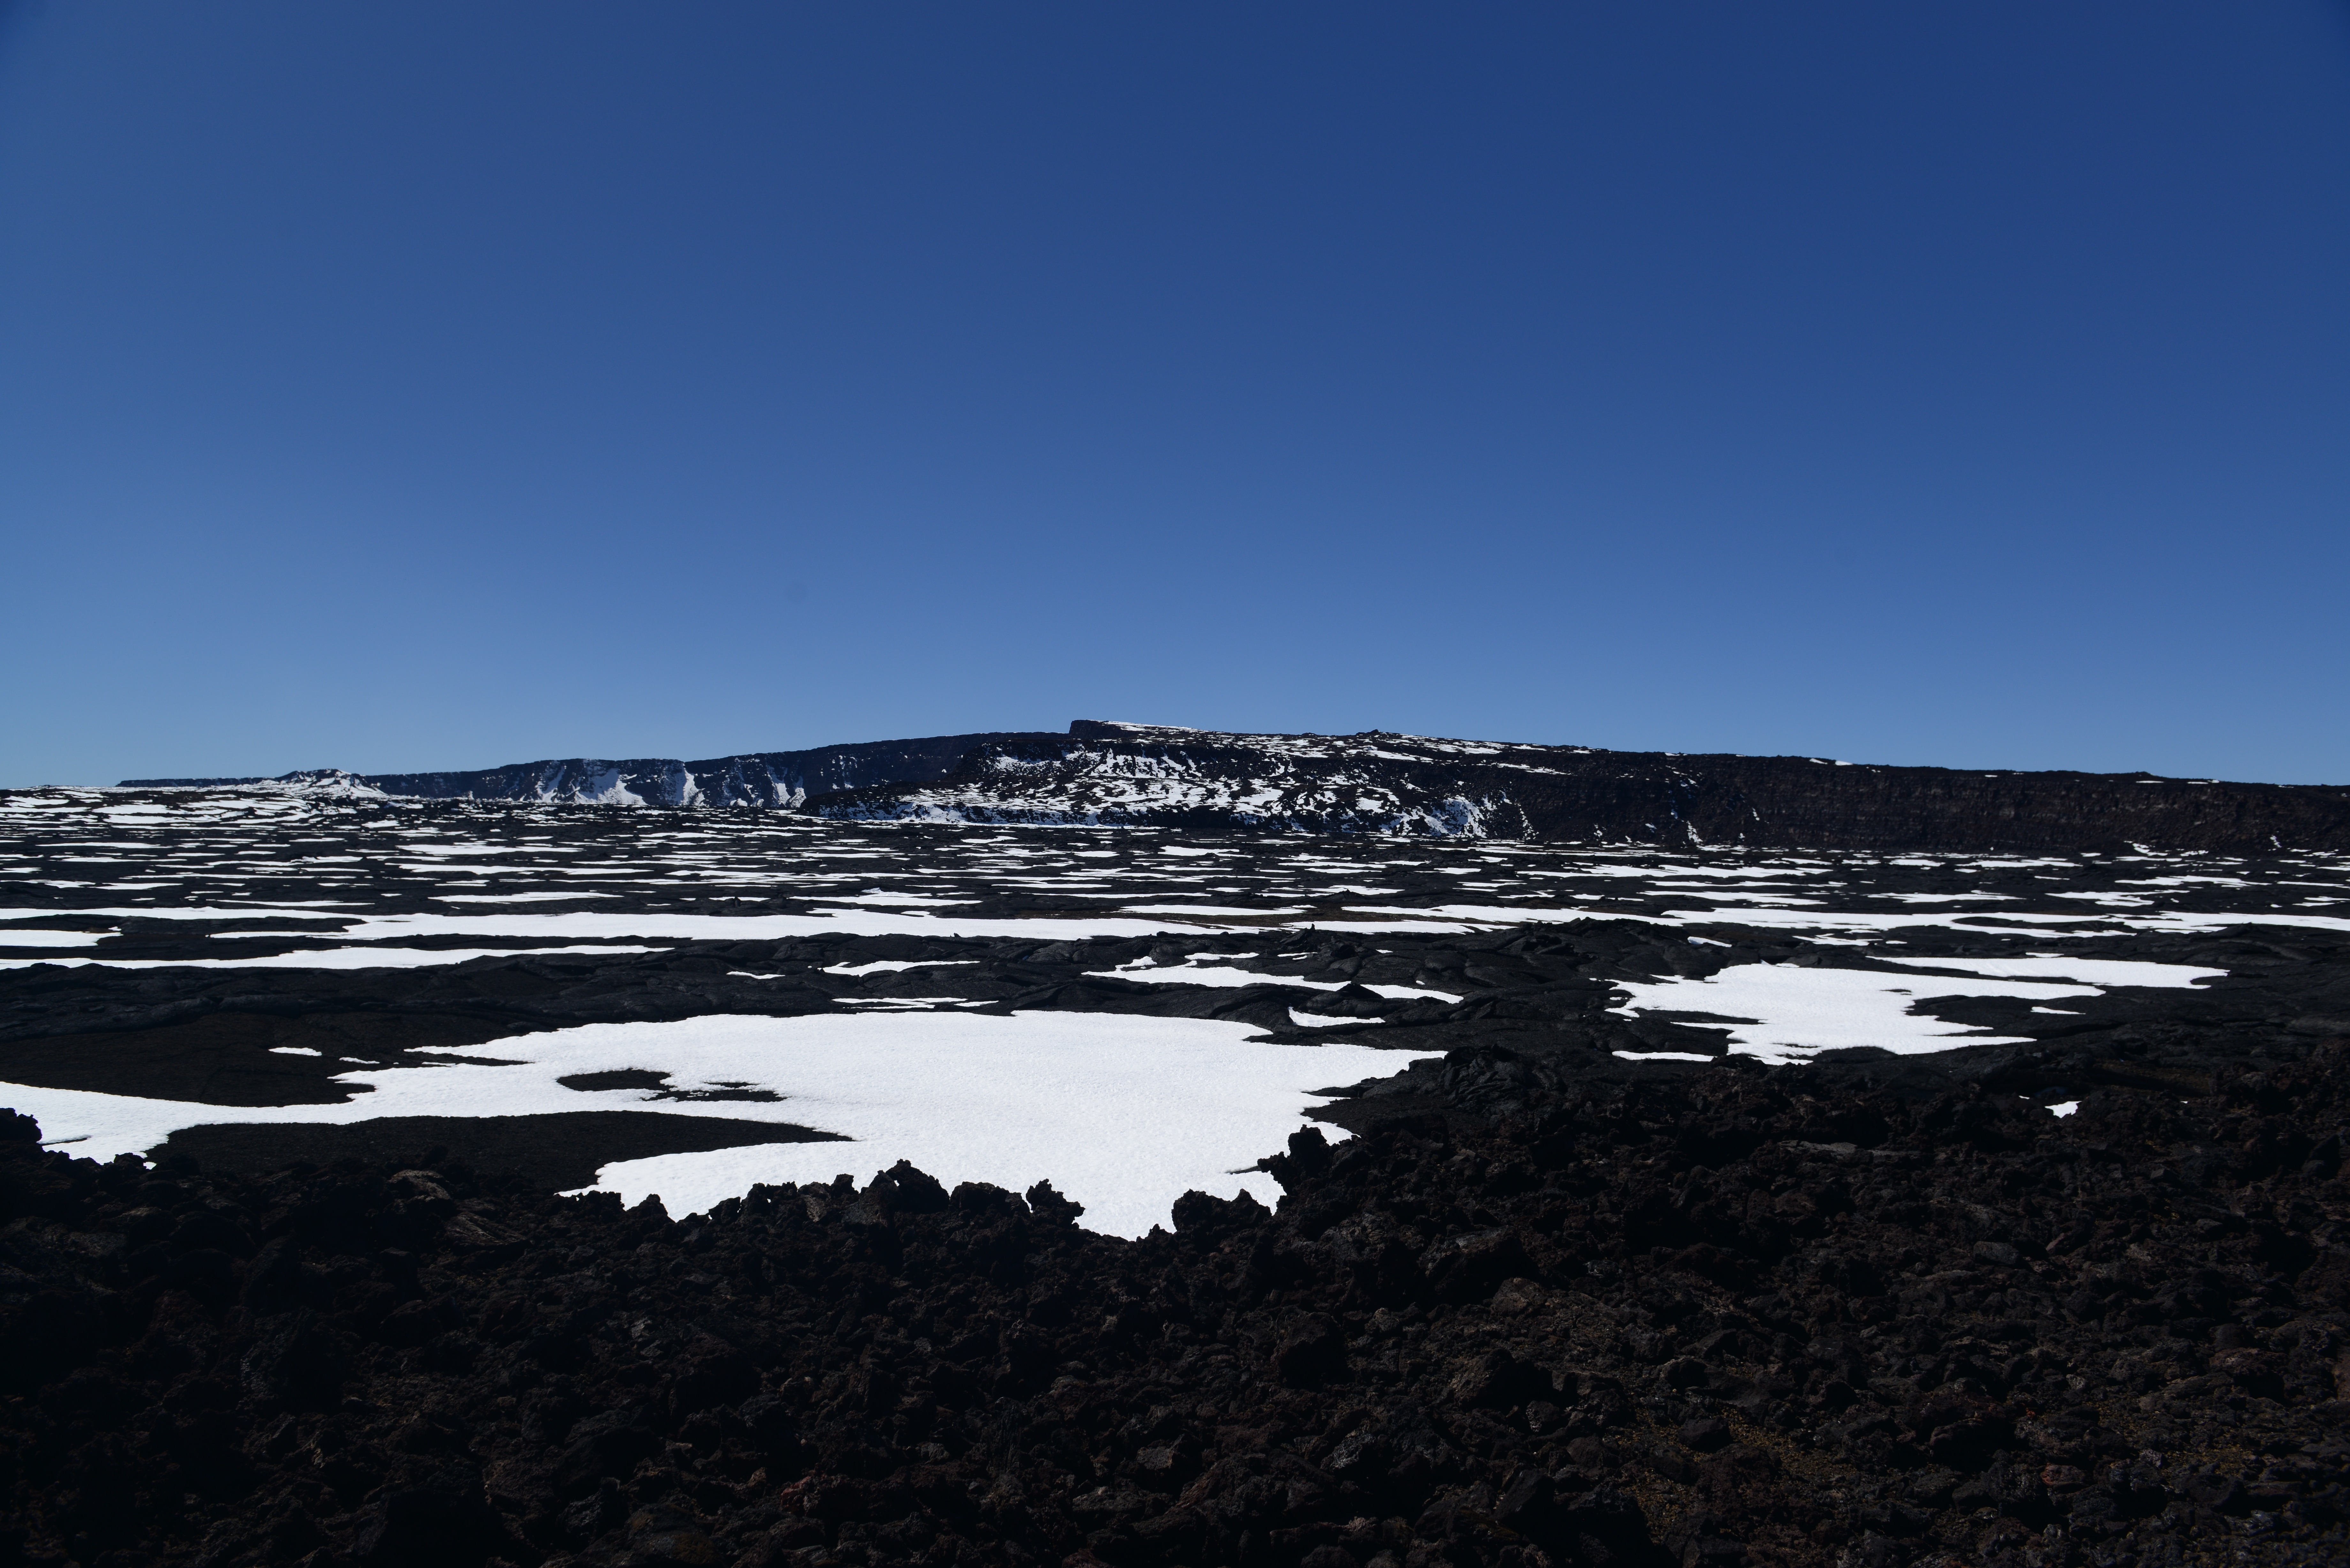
{"x":1379,"y":782}
{"x":1278,"y":1151}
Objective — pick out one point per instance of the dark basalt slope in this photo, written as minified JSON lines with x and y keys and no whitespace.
{"x":1792,"y":1316}
{"x":1205,"y":781}
{"x":757,"y":778}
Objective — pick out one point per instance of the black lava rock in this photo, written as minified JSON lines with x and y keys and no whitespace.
{"x":1642,"y":1320}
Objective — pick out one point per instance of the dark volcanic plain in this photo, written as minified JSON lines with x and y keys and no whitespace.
{"x":1559,"y":1298}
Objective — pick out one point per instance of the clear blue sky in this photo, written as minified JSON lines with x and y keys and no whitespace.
{"x":442,"y":385}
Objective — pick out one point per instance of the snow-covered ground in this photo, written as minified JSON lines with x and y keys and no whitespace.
{"x":908,"y":1006}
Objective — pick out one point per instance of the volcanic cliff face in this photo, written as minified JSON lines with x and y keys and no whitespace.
{"x":1390,"y":784}
{"x":1201,"y":779}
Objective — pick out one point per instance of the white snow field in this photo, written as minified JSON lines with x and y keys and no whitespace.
{"x":1783,"y":1012}
{"x":1079,"y":1099}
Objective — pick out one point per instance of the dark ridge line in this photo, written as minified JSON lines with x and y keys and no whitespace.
{"x":1539,"y":793}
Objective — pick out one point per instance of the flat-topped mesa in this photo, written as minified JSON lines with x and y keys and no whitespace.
{"x":1376,"y":782}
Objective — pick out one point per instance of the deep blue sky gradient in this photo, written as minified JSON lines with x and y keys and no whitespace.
{"x":442,"y":385}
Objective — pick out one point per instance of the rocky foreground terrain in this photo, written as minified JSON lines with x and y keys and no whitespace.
{"x":1761,"y":1315}
{"x":1732,"y":1205}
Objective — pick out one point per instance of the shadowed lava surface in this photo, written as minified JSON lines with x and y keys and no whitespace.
{"x":558,"y":1151}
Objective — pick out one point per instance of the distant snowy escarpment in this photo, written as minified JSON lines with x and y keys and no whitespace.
{"x":1377,"y":782}
{"x":784,"y":779}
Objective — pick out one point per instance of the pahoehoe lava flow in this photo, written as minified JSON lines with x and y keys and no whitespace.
{"x":1271,"y":1151}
